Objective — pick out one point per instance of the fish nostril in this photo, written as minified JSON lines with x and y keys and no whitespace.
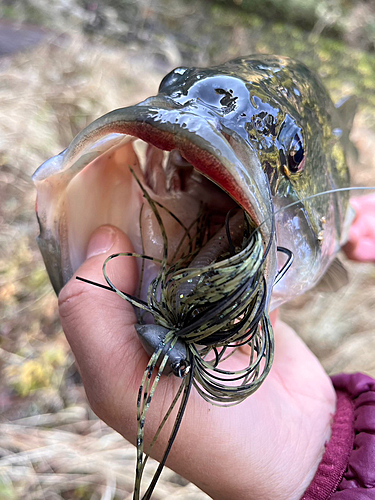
{"x":227,"y":101}
{"x":173,"y":78}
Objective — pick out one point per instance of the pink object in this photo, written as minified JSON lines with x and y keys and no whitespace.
{"x":361,"y":243}
{"x":347,"y":469}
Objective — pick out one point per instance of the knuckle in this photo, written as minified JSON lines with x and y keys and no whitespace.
{"x":71,"y":295}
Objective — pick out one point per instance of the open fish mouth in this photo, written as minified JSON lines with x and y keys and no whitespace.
{"x":179,"y":155}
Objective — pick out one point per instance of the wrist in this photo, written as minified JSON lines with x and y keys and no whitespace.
{"x":276,"y":450}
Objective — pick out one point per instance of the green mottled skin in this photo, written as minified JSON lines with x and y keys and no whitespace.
{"x":279,"y":87}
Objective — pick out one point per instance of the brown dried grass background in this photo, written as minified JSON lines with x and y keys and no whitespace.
{"x":51,"y":444}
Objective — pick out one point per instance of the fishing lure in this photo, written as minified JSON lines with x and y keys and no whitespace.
{"x":201,"y":315}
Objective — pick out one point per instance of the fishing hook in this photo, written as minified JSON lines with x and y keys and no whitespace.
{"x":287,"y":264}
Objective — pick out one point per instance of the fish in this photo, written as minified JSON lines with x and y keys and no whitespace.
{"x":250,"y":144}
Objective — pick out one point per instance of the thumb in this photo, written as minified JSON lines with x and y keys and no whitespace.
{"x":99,"y":324}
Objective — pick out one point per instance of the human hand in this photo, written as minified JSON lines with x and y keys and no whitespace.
{"x":361,"y":242}
{"x":268,"y":447}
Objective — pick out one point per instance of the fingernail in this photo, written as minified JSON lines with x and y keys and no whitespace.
{"x":101,"y":241}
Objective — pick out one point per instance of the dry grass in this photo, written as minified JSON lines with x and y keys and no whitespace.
{"x":339,"y":328}
{"x":68,"y":455}
{"x":51,"y":445}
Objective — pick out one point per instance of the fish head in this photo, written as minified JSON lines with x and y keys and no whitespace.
{"x":178,"y":146}
{"x":258,"y":132}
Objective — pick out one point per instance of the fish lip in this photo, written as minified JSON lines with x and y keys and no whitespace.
{"x":168,"y":126}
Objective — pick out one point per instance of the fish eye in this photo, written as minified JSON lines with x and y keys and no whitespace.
{"x":172,"y":78}
{"x":296,"y":156}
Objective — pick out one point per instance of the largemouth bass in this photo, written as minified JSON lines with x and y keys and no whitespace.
{"x":259,"y":134}
{"x":260,"y":129}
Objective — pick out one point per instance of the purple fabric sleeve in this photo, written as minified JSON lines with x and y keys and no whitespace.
{"x":347,"y":469}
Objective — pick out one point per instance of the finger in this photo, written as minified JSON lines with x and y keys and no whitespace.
{"x":99,"y":324}
{"x":361,"y":244}
{"x":363,"y":203}
{"x":363,"y":251}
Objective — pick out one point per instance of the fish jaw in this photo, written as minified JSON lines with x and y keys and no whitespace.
{"x":90,"y":183}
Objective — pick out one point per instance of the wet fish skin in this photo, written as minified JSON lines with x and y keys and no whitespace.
{"x":275,"y":104}
{"x":254,"y":126}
